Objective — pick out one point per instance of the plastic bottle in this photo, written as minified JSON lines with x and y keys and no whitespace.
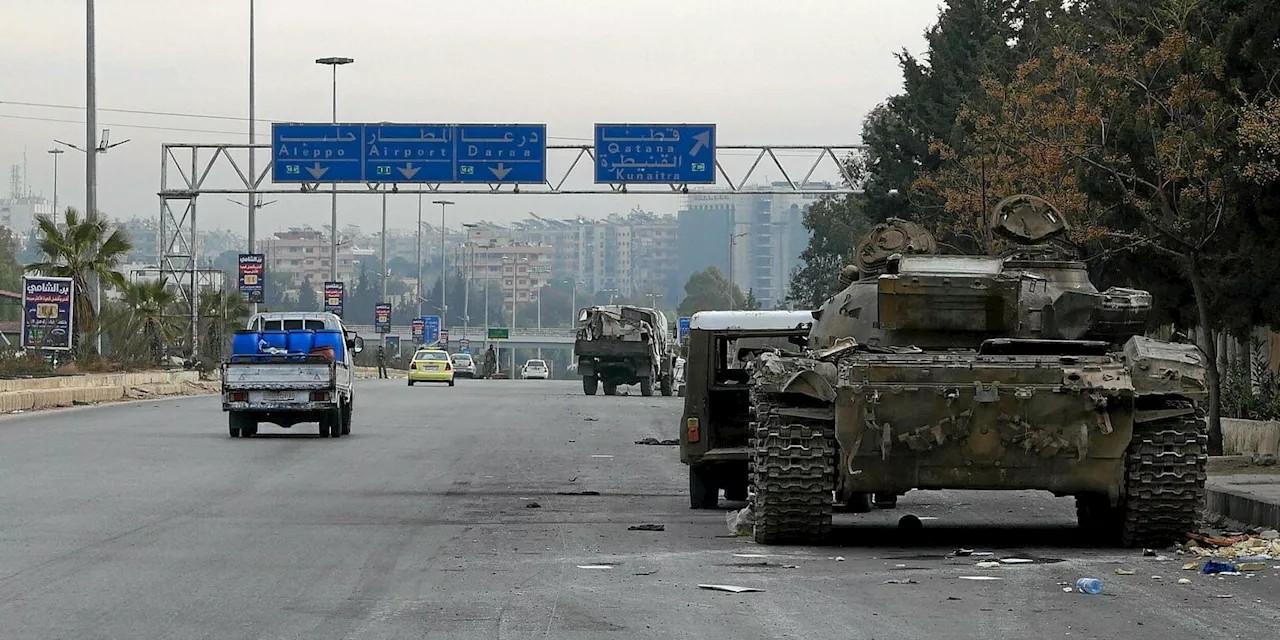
{"x":1092,"y":586}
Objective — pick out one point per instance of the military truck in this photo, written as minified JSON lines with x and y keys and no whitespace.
{"x":622,"y":344}
{"x":715,"y":429}
{"x":981,"y":372}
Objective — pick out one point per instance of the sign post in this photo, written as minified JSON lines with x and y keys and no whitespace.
{"x":430,"y":329}
{"x":252,"y":285}
{"x":333,"y":298}
{"x":47,"y":313}
{"x":682,"y":330}
{"x":417,"y":326}
{"x":382,"y":317}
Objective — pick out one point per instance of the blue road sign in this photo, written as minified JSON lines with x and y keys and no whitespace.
{"x":392,"y":152}
{"x":430,"y":329}
{"x":409,"y":153}
{"x":515,"y":153}
{"x":317,"y":152}
{"x":656,"y":153}
{"x":682,"y":329}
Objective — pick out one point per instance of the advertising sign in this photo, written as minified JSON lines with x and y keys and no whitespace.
{"x":252,"y":278}
{"x":464,"y":345}
{"x":444,"y":336}
{"x":393,"y":346}
{"x":418,"y":325}
{"x":430,"y":329}
{"x":333,"y":296}
{"x":47,"y":313}
{"x":382,"y":317}
{"x":682,"y":330}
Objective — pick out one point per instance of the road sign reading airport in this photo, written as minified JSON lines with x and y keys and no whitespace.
{"x":656,"y":153}
{"x":422,"y":153}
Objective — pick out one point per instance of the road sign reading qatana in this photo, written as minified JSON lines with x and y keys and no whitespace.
{"x":421,"y":153}
{"x":655,"y":153}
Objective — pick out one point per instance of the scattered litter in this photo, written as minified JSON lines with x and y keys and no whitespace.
{"x":1251,"y":548}
{"x":1251,"y":566}
{"x":645,"y":573}
{"x":903,"y":581}
{"x":79,"y":403}
{"x":655,"y":441}
{"x":987,"y":564}
{"x":741,"y":522}
{"x":751,"y":555}
{"x":1092,"y":586}
{"x":980,"y":578}
{"x":728,"y":587}
{"x":601,"y":455}
{"x":1068,"y":590}
{"x":962,"y":552}
{"x":900,"y":566}
{"x":1124,"y":572}
{"x":1149,"y":553}
{"x":839,"y":558}
{"x":1184,"y":580}
{"x":952,"y":598}
{"x":1212,"y":566}
{"x":577,"y":493}
{"x":1269,"y":534}
{"x":927,"y":517}
{"x":1157,"y":577}
{"x":983,"y":554}
{"x":591,"y":419}
{"x":647,"y":527}
{"x":790,"y":566}
{"x":1224,"y":595}
{"x":1016,"y":561}
{"x":1191,"y":566}
{"x":595,"y":566}
{"x":1230,"y":573}
{"x":533,"y":505}
{"x":18,"y":411}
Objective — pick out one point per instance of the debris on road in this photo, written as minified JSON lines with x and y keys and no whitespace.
{"x":741,"y":522}
{"x":1124,"y":572}
{"x":647,"y":527}
{"x":1016,"y":561}
{"x":751,"y":555}
{"x":601,"y":455}
{"x":980,"y":578}
{"x":533,"y":505}
{"x":962,"y":552}
{"x":1225,"y":595}
{"x":901,"y":581}
{"x":1184,"y":581}
{"x":1269,"y":534}
{"x":577,"y":493}
{"x":987,"y":564}
{"x":1250,"y":548}
{"x":1149,"y":553}
{"x":655,"y":441}
{"x":728,"y":587}
{"x":1091,"y":586}
{"x":595,"y":566}
{"x":1191,"y":566}
{"x":839,"y":558}
{"x":1211,"y":567}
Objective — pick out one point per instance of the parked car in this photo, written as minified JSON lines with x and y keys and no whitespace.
{"x":534,"y":369}
{"x":464,"y":365}
{"x":431,"y":365}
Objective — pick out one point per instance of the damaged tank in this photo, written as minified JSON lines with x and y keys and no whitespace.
{"x":1007,"y":372}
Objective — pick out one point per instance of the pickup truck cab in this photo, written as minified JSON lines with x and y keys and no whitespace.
{"x":287,"y":368}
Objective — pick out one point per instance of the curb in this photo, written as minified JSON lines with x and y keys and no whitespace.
{"x":1244,"y":507}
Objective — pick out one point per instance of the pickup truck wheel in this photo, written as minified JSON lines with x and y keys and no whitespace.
{"x":610,"y":389}
{"x":335,"y":422}
{"x":590,"y":384}
{"x":249,"y":429}
{"x":233,"y":423}
{"x":346,"y":419}
{"x":324,"y":426}
{"x":646,"y":387}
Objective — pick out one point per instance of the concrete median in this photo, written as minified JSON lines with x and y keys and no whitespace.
{"x":64,"y":391}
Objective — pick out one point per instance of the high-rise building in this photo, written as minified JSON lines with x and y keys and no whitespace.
{"x":756,"y":240}
{"x":625,"y":255}
{"x":304,"y":253}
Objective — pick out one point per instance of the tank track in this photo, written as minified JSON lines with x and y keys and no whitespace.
{"x":793,"y":473}
{"x":1164,"y":478}
{"x":1164,"y":486}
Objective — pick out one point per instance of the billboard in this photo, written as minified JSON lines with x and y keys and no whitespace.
{"x":333,"y":296}
{"x":382,"y":317}
{"x":682,"y":330}
{"x":47,"y":313}
{"x":418,"y":325}
{"x":430,"y":329}
{"x":252,"y":278}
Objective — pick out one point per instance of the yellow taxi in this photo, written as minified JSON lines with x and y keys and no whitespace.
{"x":430,"y":365}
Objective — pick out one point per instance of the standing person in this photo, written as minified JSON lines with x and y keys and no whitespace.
{"x":382,"y":362}
{"x":490,"y":362}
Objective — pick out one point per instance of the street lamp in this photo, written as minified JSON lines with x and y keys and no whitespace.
{"x":333,"y":240}
{"x":466,"y":293}
{"x":444,"y":307}
{"x":56,"y":153}
{"x":733,"y":242}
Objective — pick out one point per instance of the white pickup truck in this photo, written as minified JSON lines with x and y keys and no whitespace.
{"x":264,"y":381}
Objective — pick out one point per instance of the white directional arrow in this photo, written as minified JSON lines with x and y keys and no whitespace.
{"x":316,"y":170}
{"x":501,"y":171}
{"x":700,"y":140}
{"x":408,"y":170}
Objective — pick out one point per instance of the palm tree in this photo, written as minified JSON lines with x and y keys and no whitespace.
{"x":150,"y":305}
{"x":81,"y":249}
{"x":221,"y":313}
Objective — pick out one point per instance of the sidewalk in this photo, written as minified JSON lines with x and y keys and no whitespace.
{"x":1248,"y":494}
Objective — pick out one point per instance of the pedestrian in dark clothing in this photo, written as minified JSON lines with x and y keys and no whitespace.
{"x":382,"y":362}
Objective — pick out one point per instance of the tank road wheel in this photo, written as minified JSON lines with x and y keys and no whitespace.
{"x":703,"y":492}
{"x":1164,"y":485}
{"x":610,"y":389}
{"x":646,"y":387}
{"x":590,"y":384}
{"x":793,"y":472}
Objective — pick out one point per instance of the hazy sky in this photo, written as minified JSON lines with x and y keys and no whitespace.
{"x":765,"y":71}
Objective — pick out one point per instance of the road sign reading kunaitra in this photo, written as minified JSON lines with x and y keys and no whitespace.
{"x":655,"y":153}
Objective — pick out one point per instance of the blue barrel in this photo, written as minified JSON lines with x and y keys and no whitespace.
{"x":275,"y":338}
{"x":301,"y":340}
{"x":245,"y":342}
{"x":331,"y":338}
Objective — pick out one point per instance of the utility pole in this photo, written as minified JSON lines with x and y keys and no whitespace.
{"x":334,"y":63}
{"x":91,"y":144}
{"x":444,"y":283}
{"x":253,"y":172}
{"x":418,"y":286}
{"x":56,"y":153}
{"x":733,"y":242}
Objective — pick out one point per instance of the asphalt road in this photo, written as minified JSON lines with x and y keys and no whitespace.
{"x":145,"y":520}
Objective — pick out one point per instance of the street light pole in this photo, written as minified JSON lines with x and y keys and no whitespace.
{"x":56,"y":153}
{"x":418,"y":287}
{"x":334,"y":63}
{"x":444,"y":283}
{"x":253,"y":171}
{"x":733,"y":242}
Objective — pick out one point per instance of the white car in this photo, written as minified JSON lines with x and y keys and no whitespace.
{"x":535,"y":369}
{"x":464,"y":365}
